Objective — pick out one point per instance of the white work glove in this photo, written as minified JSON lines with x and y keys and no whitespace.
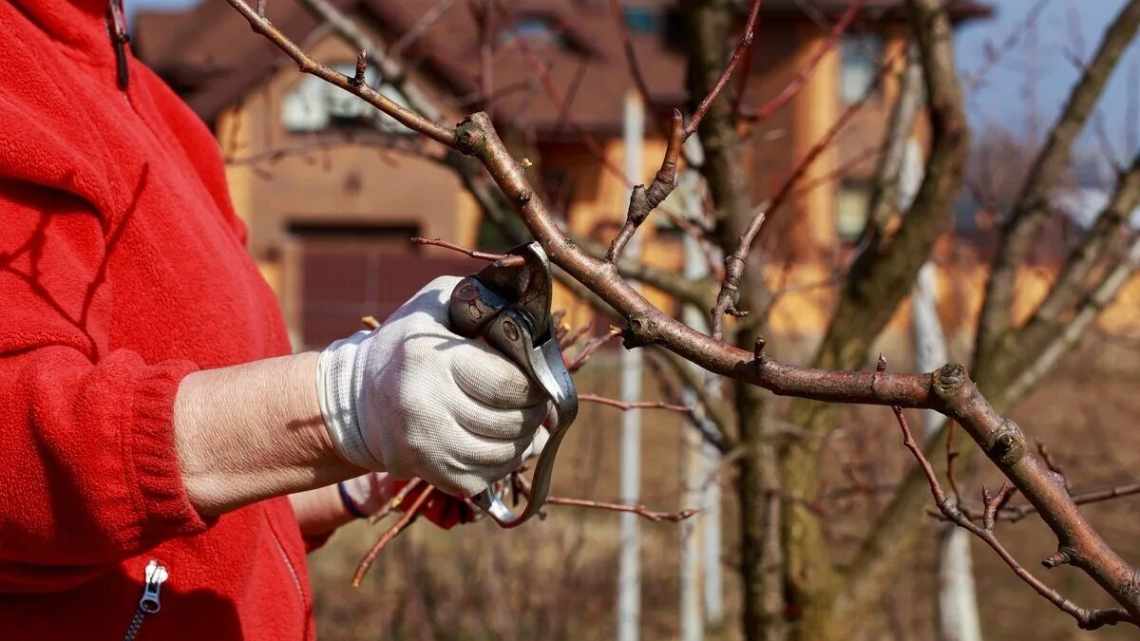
{"x":413,"y":398}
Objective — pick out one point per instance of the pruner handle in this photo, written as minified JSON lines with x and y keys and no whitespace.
{"x":476,"y":310}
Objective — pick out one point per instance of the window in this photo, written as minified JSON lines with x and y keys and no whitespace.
{"x":534,"y":30}
{"x":644,"y":19}
{"x":851,"y":205}
{"x":860,"y":57}
{"x":315,"y":105}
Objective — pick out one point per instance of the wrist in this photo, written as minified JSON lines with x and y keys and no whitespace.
{"x":363,"y":496}
{"x":339,"y":381}
{"x":348,"y":503}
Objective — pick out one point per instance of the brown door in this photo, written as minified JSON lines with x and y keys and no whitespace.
{"x":346,"y":274}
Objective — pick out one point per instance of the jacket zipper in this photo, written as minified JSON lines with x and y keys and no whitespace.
{"x":292,"y":572}
{"x":156,"y":575}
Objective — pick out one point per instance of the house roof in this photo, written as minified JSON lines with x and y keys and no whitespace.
{"x":209,"y":55}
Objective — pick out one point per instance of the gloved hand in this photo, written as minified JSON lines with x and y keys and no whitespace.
{"x":415,"y":399}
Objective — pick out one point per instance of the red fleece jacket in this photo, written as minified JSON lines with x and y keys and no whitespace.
{"x":122,"y":268}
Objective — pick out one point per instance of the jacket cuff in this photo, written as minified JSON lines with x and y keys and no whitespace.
{"x":165,"y":510}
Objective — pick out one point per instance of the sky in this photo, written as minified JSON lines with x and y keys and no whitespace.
{"x":1036,"y":75}
{"x":1025,"y":88}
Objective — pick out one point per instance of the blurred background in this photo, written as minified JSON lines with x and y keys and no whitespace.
{"x":331,"y":191}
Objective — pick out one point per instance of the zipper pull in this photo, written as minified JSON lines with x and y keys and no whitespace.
{"x":156,"y":575}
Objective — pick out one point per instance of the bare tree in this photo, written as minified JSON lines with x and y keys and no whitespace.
{"x":792,"y":585}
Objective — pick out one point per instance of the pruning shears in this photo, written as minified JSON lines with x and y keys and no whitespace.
{"x":508,"y":305}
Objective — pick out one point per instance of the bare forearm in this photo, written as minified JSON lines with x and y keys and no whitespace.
{"x":320,"y":511}
{"x":253,"y":431}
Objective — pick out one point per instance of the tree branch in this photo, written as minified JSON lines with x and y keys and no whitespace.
{"x":742,"y":47}
{"x":798,"y":82}
{"x":500,"y":260}
{"x":948,"y":390}
{"x":1087,"y":619}
{"x":1108,"y":238}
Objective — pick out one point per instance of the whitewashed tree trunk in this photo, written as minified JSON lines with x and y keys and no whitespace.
{"x":703,"y":530}
{"x":713,"y":571}
{"x":629,"y":561}
{"x":957,"y":599}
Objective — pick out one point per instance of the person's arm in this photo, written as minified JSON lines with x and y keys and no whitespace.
{"x":411,"y":398}
{"x":253,"y":431}
{"x":99,"y":464}
{"x":319,"y":512}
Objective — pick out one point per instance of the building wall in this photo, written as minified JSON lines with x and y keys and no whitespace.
{"x":318,"y":183}
{"x":360,"y":185}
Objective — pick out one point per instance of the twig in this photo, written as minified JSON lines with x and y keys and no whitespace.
{"x":361,"y":69}
{"x":700,"y":416}
{"x":571,"y":338}
{"x":591,"y":347}
{"x":951,"y":459}
{"x":1015,"y":513}
{"x":643,"y":201}
{"x":630,"y":53}
{"x":305,"y":64}
{"x":503,"y":260}
{"x":638,"y":509}
{"x":714,"y":431}
{"x":738,"y":53}
{"x":523,"y":486}
{"x":1087,"y":619}
{"x":396,"y":528}
{"x":729,"y":293}
{"x":634,"y":405}
{"x":733,"y":270}
{"x":396,"y":500}
{"x":1053,"y":465}
{"x":797,"y":83}
{"x":430,"y":17}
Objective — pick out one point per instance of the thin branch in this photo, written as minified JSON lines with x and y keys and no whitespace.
{"x":634,"y":405}
{"x":630,"y":54}
{"x":797,"y":83}
{"x":502,"y":260}
{"x":1087,"y":619}
{"x":589,"y":348}
{"x":742,"y":46}
{"x":1015,"y":513}
{"x":734,"y":263}
{"x":1105,"y":242}
{"x":884,"y":199}
{"x":397,"y":527}
{"x":391,"y":72}
{"x":638,"y":509}
{"x":733,"y":271}
{"x":571,"y":338}
{"x":1072,"y":331}
{"x":713,"y":409}
{"x":361,"y":69}
{"x":396,"y":500}
{"x":523,"y":487}
{"x":643,"y":201}
{"x":425,"y":22}
{"x":702,"y":416}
